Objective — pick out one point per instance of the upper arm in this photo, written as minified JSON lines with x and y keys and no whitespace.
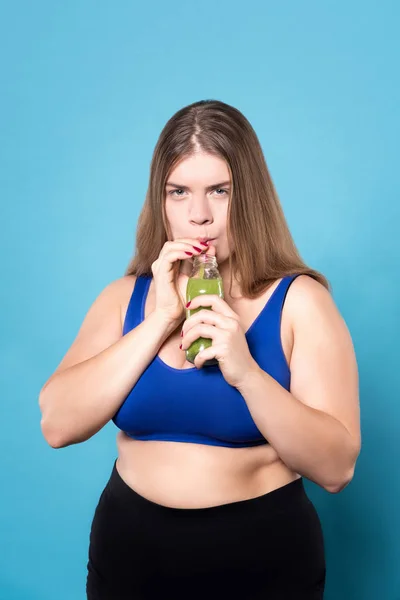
{"x":324,"y":372}
{"x":102,"y":325}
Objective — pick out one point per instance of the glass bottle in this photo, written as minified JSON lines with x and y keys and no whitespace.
{"x":204,"y":279}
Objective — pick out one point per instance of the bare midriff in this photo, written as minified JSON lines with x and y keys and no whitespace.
{"x":189,"y":475}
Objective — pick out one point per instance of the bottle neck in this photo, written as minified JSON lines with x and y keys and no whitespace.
{"x":205,"y":260}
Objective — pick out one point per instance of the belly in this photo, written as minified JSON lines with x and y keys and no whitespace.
{"x":185,"y":475}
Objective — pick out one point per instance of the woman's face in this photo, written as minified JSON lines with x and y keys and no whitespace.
{"x":196,"y":201}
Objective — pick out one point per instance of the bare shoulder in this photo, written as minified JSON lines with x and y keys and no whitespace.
{"x":306,"y":287}
{"x":122,"y":285}
{"x":308,"y":300}
{"x":117,"y":294}
{"x":322,"y":340}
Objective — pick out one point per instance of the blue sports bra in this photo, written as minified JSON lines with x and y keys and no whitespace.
{"x":198,"y":405}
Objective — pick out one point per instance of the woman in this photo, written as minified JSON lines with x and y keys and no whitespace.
{"x":206,"y":497}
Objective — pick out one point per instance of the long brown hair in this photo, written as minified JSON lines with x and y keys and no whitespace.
{"x":256,"y":223}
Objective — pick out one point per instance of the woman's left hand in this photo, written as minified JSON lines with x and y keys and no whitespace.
{"x":229,"y":344}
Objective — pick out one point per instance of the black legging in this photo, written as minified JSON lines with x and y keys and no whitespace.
{"x":270,"y":548}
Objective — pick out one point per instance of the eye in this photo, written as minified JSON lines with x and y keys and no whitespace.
{"x":172,"y":192}
{"x":179,"y":192}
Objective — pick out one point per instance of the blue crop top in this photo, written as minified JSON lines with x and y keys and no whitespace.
{"x":198,"y":405}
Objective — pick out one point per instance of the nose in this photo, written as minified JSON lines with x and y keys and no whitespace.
{"x":200,"y":212}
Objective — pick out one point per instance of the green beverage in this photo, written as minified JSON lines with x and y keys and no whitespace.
{"x":204,"y":279}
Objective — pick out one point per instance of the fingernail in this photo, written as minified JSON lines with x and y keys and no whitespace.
{"x":204,"y":244}
{"x":188,"y":304}
{"x":196,"y":248}
{"x":180,"y":347}
{"x":189,"y":253}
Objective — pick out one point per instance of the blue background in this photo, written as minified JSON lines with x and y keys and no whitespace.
{"x":86,"y":87}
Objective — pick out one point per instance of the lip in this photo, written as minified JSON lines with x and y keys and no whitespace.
{"x":206,"y":239}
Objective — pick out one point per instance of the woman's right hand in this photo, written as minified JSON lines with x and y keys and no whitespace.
{"x":168,"y":300}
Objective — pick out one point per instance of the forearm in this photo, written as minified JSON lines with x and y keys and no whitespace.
{"x":310,"y":442}
{"x":80,"y":400}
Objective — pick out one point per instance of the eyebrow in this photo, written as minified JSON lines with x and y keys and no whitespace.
{"x":208,"y":188}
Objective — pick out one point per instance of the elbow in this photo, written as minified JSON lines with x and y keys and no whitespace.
{"x":341,"y":482}
{"x":46,"y":429}
{"x":51,"y":433}
{"x":337,"y":487}
{"x":334,"y":487}
{"x":52,"y":437}
{"x":60,"y":436}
